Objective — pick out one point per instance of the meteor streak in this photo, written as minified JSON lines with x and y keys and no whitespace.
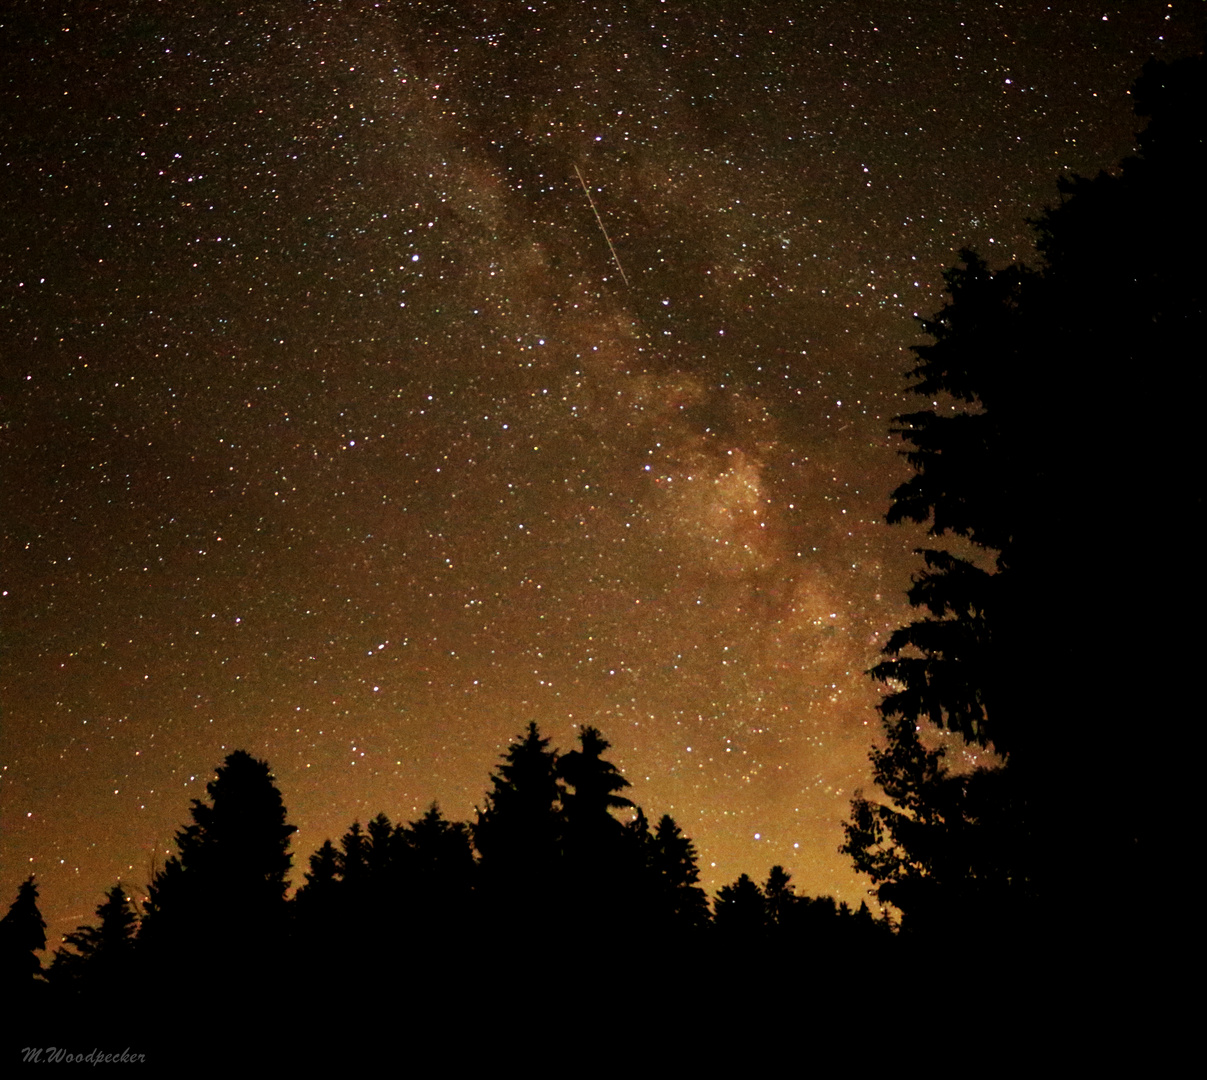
{"x":615,"y":257}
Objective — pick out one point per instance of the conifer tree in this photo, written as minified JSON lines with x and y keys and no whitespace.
{"x":592,"y":839}
{"x":353,"y":861}
{"x":323,"y":873}
{"x":22,"y":937}
{"x":594,"y":784}
{"x":317,"y":902}
{"x":675,"y":864}
{"x":780,"y":897}
{"x":225,"y":890}
{"x":1010,"y":636}
{"x":381,"y":844}
{"x":101,"y":956}
{"x":518,"y":832}
{"x":740,"y":910}
{"x":440,"y":854}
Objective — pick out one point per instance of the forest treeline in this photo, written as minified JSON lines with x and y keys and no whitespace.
{"x":393,"y":907}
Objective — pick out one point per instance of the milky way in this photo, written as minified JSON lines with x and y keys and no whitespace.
{"x":341,"y":427}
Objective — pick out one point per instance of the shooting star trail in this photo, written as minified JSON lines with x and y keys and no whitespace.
{"x":615,"y":258}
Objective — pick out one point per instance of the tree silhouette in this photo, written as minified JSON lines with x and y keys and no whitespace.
{"x":1129,"y":298}
{"x":518,"y":832}
{"x":974,"y":472}
{"x":780,"y":897}
{"x":740,"y":911}
{"x":595,"y":784}
{"x":225,"y":890}
{"x":390,"y":898}
{"x":681,"y":900}
{"x":353,"y":861}
{"x":441,"y":860}
{"x":928,"y":849}
{"x":946,"y":849}
{"x":1031,"y":361}
{"x":436,"y":885}
{"x":593,"y":841}
{"x":317,"y":901}
{"x":22,"y":937}
{"x":566,"y":896}
{"x":101,"y":958}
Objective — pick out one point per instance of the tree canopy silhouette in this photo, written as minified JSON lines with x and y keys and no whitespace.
{"x":22,"y":937}
{"x":741,"y":910}
{"x":594,"y":785}
{"x":519,"y":830}
{"x":680,"y":901}
{"x":225,"y":890}
{"x":1036,"y":466}
{"x":101,"y":956}
{"x":563,"y":894}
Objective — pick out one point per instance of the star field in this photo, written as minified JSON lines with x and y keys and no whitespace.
{"x":337,"y":430}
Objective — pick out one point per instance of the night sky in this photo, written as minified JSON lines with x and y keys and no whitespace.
{"x":335,"y":429}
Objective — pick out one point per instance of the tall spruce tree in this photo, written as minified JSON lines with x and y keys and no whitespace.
{"x":22,"y":937}
{"x":740,"y":912}
{"x":223,"y":895}
{"x":518,"y":833}
{"x":441,"y":862}
{"x":1005,"y":653}
{"x":595,"y":785}
{"x":317,"y":901}
{"x":675,"y":864}
{"x":101,"y":958}
{"x":595,"y":854}
{"x":592,"y":839}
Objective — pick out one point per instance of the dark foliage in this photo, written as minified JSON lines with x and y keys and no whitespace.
{"x":593,"y":789}
{"x":389,"y":895}
{"x":741,"y":909}
{"x":673,"y":861}
{"x":1048,"y":451}
{"x":548,"y":898}
{"x":594,"y":852}
{"x":101,"y":956}
{"x":22,"y":937}
{"x":518,"y":835}
{"x":948,"y":851}
{"x":222,"y":898}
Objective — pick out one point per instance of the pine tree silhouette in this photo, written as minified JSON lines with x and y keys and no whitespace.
{"x":682,"y":902}
{"x":22,"y":937}
{"x":1042,"y":363}
{"x":101,"y":958}
{"x":221,"y":900}
{"x":518,"y":835}
{"x":593,"y":841}
{"x":740,"y":911}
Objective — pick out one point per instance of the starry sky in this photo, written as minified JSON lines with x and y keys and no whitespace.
{"x":338,"y":427}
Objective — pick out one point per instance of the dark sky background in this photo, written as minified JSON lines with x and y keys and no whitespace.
{"x":333,"y":431}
